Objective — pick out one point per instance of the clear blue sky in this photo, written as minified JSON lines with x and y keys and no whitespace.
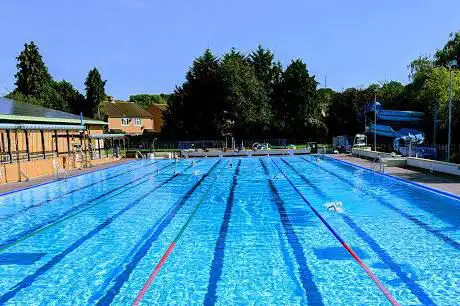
{"x":146,"y":46}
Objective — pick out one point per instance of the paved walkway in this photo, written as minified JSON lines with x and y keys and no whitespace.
{"x":439,"y":181}
{"x":42,"y":179}
{"x":443,"y":182}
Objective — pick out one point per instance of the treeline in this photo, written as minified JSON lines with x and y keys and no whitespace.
{"x":145,"y":100}
{"x":246,"y":96}
{"x":428,"y":92}
{"x":252,"y":96}
{"x":35,"y":85}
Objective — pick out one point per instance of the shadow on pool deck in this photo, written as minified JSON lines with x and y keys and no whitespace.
{"x":443,"y":182}
{"x":48,"y":178}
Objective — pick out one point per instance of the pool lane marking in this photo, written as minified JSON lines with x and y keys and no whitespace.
{"x":218,"y":258}
{"x":71,"y":191}
{"x":306,"y":276}
{"x":69,"y":177}
{"x":123,"y":271}
{"x":368,"y":271}
{"x":381,"y":253}
{"x":157,"y":269}
{"x":140,"y":250}
{"x":400,"y":179}
{"x":28,"y":280}
{"x":385,"y":203}
{"x":65,"y":216}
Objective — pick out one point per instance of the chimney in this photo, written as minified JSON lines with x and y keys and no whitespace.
{"x":111,"y":99}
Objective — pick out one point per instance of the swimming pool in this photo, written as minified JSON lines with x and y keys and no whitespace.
{"x":241,"y":234}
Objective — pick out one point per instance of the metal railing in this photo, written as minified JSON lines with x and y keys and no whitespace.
{"x":58,"y":171}
{"x":139,"y":153}
{"x":378,"y":162}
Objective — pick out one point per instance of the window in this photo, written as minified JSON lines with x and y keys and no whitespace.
{"x":137,"y":121}
{"x":124,"y":121}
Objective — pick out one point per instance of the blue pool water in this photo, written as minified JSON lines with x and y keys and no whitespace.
{"x":96,"y":238}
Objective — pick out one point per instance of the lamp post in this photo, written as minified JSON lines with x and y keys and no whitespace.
{"x":451,"y":64}
{"x":375,"y":122}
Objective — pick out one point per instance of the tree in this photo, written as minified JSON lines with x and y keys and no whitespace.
{"x":32,"y":78}
{"x":72,"y":100}
{"x":145,"y":100}
{"x":264,"y":66}
{"x":174,"y":116}
{"x":277,"y":102}
{"x":325,"y":97}
{"x":36,"y":86}
{"x":346,"y":113}
{"x":450,"y":51}
{"x":270,"y":73}
{"x":437,"y":90}
{"x":19,"y":97}
{"x":301,"y":108}
{"x":199,"y":102}
{"x":95,"y":94}
{"x":247,"y":110}
{"x":420,"y":68}
{"x":390,"y":94}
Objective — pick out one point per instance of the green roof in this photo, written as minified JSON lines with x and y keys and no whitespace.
{"x":16,"y":111}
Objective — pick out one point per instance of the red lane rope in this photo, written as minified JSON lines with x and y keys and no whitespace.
{"x":171,"y":247}
{"x":369,"y":272}
{"x":371,"y":275}
{"x":152,"y":276}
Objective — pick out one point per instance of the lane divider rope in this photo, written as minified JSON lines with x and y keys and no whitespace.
{"x":369,"y":272}
{"x":171,"y":247}
{"x":69,"y":177}
{"x":3,"y":217}
{"x":47,"y":226}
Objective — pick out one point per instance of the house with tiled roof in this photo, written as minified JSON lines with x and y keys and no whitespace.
{"x":129,"y":118}
{"x":157,"y":111}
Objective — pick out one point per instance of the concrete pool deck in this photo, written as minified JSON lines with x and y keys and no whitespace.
{"x":448,"y":183}
{"x":48,"y":178}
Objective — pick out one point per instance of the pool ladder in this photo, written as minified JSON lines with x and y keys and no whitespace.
{"x":59,"y":172}
{"x":139,"y":153}
{"x":378,"y":163}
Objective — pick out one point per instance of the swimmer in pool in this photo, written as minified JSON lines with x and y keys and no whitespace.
{"x":335,"y":206}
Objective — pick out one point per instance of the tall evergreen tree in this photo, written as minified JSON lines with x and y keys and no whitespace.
{"x":302,"y":110}
{"x":32,"y":78}
{"x":246,"y":100}
{"x":270,"y":73}
{"x":203,"y":97}
{"x":264,"y":66}
{"x":95,"y":94}
{"x":197,"y":106}
{"x":344,"y":111}
{"x":174,"y":116}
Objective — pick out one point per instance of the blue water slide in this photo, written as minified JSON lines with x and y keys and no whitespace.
{"x":404,"y":138}
{"x":408,"y":134}
{"x":393,"y":115}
